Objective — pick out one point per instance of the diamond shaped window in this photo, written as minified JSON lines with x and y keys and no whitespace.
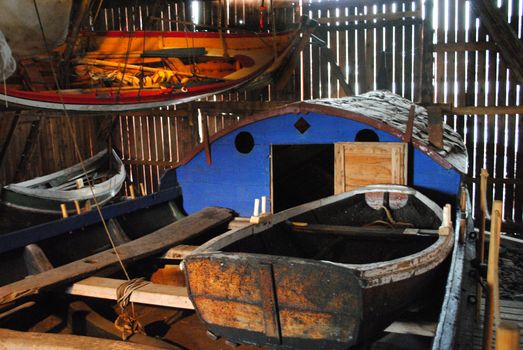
{"x":302,"y":125}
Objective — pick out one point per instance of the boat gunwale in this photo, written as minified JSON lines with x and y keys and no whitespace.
{"x":372,"y":274}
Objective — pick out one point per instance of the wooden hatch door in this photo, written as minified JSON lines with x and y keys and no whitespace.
{"x":359,"y":164}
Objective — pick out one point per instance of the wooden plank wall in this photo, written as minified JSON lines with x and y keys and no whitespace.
{"x":53,"y":148}
{"x":377,"y":44}
{"x":470,"y":72}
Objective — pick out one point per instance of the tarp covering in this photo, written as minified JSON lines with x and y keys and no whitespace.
{"x":7,"y":62}
{"x":21,"y":27}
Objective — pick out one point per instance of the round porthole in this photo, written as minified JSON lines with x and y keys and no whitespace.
{"x":244,"y":142}
{"x":367,"y":135}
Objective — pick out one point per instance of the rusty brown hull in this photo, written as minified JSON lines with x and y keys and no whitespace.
{"x":295,"y":304}
{"x":284,"y":288}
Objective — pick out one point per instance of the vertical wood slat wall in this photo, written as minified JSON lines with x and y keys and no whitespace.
{"x":377,"y":44}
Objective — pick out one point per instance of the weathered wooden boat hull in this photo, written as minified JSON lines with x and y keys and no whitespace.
{"x":32,"y":195}
{"x":77,"y":237}
{"x":279,"y":286}
{"x":56,"y":253}
{"x":318,"y":306}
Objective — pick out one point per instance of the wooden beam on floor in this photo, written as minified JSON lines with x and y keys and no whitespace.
{"x":12,"y":340}
{"x":150,"y":294}
{"x":426,"y":329}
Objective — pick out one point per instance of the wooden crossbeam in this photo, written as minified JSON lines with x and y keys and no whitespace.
{"x":150,"y":294}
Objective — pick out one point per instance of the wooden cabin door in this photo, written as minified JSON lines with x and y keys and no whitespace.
{"x":359,"y":164}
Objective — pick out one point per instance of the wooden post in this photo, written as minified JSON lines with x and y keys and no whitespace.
{"x":507,"y":336}
{"x":407,"y":136}
{"x":77,"y":207}
{"x":131,"y":191}
{"x":79,"y":183}
{"x":143,"y":192}
{"x":435,"y":119}
{"x":492,"y":300}
{"x":427,"y":86}
{"x":446,"y":224}
{"x":481,"y":238}
{"x":64,"y":210}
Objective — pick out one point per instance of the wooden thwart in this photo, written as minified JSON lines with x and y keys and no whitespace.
{"x":150,"y":294}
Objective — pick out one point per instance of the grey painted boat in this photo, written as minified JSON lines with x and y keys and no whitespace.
{"x":44,"y":194}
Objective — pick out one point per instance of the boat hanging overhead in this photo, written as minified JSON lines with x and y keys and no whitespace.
{"x":115,"y":71}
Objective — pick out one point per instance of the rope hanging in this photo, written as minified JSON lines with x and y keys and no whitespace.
{"x":126,"y":322}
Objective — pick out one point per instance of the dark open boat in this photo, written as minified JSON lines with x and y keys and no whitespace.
{"x":57,"y":253}
{"x":321,"y":275}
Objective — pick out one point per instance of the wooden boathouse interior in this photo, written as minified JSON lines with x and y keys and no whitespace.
{"x":461,"y":59}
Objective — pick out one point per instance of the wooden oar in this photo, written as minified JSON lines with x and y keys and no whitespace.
{"x":140,"y":68}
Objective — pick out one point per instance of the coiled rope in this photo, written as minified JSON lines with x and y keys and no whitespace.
{"x":127,"y":323}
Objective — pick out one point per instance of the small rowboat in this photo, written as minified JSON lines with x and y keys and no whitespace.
{"x":116,"y":71}
{"x":44,"y":194}
{"x":328,"y":274}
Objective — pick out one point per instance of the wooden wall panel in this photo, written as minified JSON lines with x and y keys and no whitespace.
{"x":377,"y":43}
{"x":359,"y":164}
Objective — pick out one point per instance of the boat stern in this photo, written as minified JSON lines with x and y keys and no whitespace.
{"x":286,"y":303}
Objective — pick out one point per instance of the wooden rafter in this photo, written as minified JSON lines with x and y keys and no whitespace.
{"x":507,"y":41}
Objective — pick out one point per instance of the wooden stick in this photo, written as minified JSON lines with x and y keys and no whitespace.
{"x":143,"y":192}
{"x":507,"y":336}
{"x":256,"y":210}
{"x":63,"y":207}
{"x":407,"y":136}
{"x":150,"y":294}
{"x":492,"y":301}
{"x":481,"y":238}
{"x":131,"y":191}
{"x":77,"y":207}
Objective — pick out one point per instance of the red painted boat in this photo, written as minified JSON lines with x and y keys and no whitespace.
{"x":115,"y":71}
